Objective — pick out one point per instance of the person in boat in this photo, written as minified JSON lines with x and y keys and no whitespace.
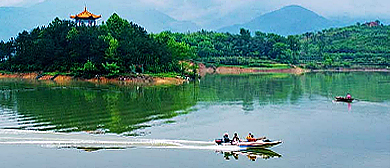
{"x":225,"y":138}
{"x":250,"y":138}
{"x":348,"y":96}
{"x":236,"y":138}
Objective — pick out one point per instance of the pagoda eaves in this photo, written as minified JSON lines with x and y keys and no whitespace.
{"x":86,"y":17}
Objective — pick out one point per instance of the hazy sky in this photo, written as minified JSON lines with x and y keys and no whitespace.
{"x":18,"y":2}
{"x":194,"y":9}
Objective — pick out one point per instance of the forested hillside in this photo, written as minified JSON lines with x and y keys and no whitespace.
{"x":43,"y":13}
{"x":358,"y":46}
{"x":242,"y":49}
{"x":117,"y":46}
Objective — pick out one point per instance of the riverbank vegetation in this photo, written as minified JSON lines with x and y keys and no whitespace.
{"x":358,"y":46}
{"x":118,"y":47}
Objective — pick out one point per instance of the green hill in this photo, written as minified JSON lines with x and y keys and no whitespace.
{"x":16,"y":19}
{"x":358,"y":45}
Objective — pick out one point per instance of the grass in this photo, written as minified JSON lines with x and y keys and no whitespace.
{"x":167,"y":74}
{"x":59,"y":73}
{"x":5,"y":72}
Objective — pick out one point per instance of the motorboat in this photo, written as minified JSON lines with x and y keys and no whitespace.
{"x":264,"y":143}
{"x":344,"y":99}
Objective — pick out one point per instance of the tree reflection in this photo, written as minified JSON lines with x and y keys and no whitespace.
{"x":101,"y":109}
{"x":265,"y":89}
{"x":251,"y":154}
{"x":122,"y":110}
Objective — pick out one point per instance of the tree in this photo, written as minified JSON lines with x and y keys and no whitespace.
{"x":7,"y":50}
{"x":245,"y":34}
{"x":282,"y":53}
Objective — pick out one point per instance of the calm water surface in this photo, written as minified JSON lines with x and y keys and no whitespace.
{"x":45,"y":124}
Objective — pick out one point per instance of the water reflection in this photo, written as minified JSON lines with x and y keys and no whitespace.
{"x":275,"y":89}
{"x":251,"y":154}
{"x":92,"y":109}
{"x":98,"y":109}
{"x":349,"y":107}
{"x":96,"y":149}
{"x":349,"y":104}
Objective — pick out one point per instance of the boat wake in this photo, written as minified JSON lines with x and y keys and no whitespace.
{"x":95,"y":142}
{"x":92,"y":142}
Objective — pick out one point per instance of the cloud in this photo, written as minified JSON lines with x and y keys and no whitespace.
{"x":195,"y":9}
{"x":6,"y":3}
{"x":10,"y":2}
{"x":198,"y":9}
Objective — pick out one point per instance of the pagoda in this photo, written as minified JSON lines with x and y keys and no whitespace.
{"x":86,"y":18}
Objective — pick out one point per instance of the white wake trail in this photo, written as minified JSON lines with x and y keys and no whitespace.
{"x":84,"y":140}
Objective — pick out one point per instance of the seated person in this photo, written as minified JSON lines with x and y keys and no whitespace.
{"x":348,"y":96}
{"x":236,"y":138}
{"x":225,"y":138}
{"x":250,"y":138}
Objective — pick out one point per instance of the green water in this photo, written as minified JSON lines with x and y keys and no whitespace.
{"x":86,"y":107}
{"x":298,"y":109}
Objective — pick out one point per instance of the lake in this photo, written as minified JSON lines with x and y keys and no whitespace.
{"x":44,"y":124}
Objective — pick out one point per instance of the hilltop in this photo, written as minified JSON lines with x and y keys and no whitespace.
{"x":365,"y":44}
{"x":17,"y":19}
{"x":289,"y":20}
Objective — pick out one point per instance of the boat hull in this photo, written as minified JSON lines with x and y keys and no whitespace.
{"x":256,"y":144}
{"x":343,"y":99}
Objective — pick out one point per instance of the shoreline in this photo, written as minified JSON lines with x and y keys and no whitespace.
{"x":203,"y":70}
{"x":147,"y":80}
{"x":293,"y":70}
{"x":122,"y":80}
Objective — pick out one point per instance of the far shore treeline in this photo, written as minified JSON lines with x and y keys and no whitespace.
{"x":121,"y":47}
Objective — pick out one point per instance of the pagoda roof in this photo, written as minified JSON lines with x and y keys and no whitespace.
{"x":85,"y":15}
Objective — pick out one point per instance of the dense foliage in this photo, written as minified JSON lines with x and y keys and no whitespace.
{"x":117,"y":46}
{"x":360,"y":45}
{"x":243,"y":48}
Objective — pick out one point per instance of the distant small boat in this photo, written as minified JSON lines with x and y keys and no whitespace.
{"x":344,"y":99}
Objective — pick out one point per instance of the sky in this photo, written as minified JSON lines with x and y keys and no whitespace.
{"x":18,"y":3}
{"x":198,"y":9}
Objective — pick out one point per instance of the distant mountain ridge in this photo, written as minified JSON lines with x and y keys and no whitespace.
{"x":288,"y":20}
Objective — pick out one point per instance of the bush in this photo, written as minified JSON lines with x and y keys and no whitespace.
{"x":112,"y":70}
{"x":88,"y":70}
{"x":312,"y":65}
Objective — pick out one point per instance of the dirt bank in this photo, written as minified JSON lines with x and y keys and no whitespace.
{"x":62,"y":79}
{"x":203,"y":70}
